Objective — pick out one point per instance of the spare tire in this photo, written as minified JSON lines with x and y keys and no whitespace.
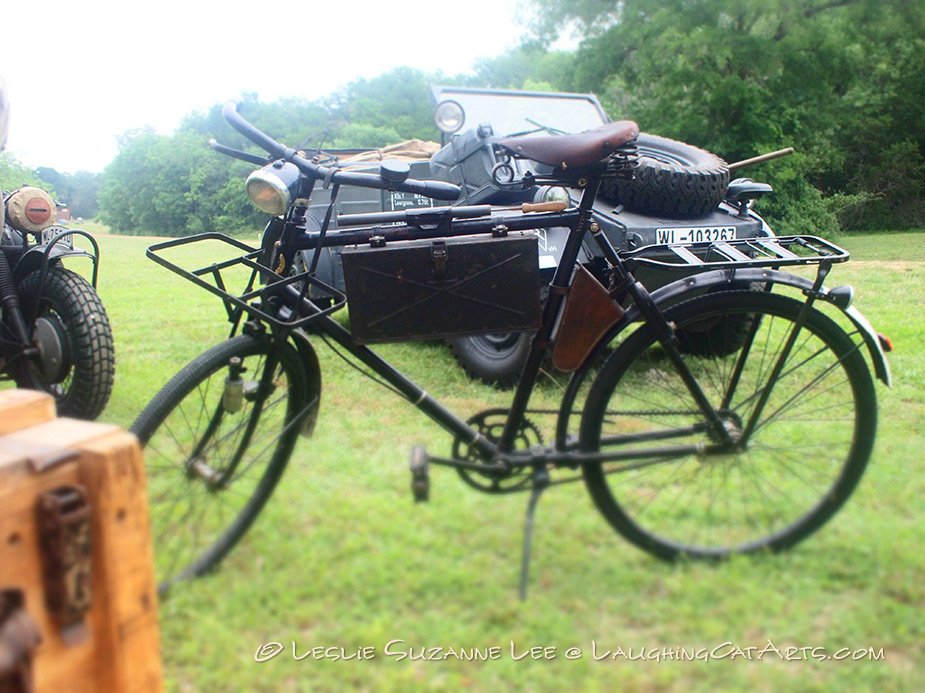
{"x":672,"y":179}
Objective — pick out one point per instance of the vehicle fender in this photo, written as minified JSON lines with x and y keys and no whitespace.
{"x":50,"y":253}
{"x":313,"y":368}
{"x":33,"y":258}
{"x":689,"y":287}
{"x":673,"y":292}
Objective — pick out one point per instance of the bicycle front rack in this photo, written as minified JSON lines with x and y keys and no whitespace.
{"x":256,"y":301}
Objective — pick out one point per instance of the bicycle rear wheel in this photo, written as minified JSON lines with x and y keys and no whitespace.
{"x":809,"y":447}
{"x":217,"y":438}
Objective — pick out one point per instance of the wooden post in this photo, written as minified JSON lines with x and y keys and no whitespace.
{"x":121,"y":649}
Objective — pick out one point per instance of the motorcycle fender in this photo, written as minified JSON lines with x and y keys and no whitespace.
{"x":313,"y":369}
{"x":672,"y":292}
{"x":34,"y":257}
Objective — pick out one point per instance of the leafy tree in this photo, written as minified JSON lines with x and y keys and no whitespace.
{"x":395,"y":101}
{"x":529,"y":66}
{"x":14,"y":174}
{"x":79,"y":191}
{"x":841,"y":80}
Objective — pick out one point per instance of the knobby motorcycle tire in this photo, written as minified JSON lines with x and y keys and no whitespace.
{"x":71,"y":311}
{"x":671,"y":178}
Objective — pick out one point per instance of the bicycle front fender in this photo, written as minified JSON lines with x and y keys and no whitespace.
{"x":313,"y":370}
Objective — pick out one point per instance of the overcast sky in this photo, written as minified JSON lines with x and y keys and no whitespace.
{"x":81,"y":73}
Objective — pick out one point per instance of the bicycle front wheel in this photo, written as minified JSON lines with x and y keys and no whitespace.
{"x":216,"y":441}
{"x":810,"y":442}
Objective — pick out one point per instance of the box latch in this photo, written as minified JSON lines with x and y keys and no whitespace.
{"x":64,"y":532}
{"x":439,"y":255}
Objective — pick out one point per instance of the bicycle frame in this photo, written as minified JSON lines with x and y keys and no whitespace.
{"x":494,"y":448}
{"x":501,"y":455}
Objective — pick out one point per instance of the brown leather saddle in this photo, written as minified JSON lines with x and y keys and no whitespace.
{"x":581,"y":149}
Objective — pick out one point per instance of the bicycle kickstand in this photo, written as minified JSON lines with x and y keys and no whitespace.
{"x":540,"y":478}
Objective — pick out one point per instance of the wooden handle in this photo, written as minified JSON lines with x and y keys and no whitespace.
{"x":527,"y":207}
{"x":758,"y":159}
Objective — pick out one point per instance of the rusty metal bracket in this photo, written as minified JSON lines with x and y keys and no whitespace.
{"x":64,"y":533}
{"x":19,"y":636}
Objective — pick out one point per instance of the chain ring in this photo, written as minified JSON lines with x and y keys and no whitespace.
{"x":494,"y":480}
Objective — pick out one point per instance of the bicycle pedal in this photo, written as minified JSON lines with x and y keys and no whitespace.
{"x":420,"y":476}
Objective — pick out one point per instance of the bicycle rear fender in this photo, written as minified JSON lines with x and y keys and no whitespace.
{"x":696,"y":285}
{"x":313,"y":370}
{"x":674,"y":292}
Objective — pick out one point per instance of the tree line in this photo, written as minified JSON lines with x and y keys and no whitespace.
{"x":842,"y":81}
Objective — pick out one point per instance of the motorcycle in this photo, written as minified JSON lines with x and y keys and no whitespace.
{"x":55,"y":334}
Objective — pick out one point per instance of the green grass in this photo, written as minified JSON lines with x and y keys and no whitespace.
{"x":343,"y":558}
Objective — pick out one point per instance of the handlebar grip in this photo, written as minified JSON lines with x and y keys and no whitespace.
{"x":435,"y":189}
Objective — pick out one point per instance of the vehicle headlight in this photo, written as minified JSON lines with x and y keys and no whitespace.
{"x":272,"y":188}
{"x":449,"y":116}
{"x":550,"y":193}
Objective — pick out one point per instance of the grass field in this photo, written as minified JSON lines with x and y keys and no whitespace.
{"x":342,"y":558}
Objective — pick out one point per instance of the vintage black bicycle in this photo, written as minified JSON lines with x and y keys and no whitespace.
{"x":730,"y":411}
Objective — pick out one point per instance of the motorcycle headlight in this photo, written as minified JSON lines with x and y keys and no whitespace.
{"x":272,"y":188}
{"x":449,"y":117}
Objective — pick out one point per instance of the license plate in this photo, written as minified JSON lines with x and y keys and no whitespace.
{"x":52,"y":231}
{"x":696,"y":234}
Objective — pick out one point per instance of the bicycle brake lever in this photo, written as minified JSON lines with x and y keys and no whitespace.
{"x":238,"y":154}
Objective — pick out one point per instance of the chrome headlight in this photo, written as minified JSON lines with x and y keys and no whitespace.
{"x":549,"y":193}
{"x":449,"y":117}
{"x":272,"y":188}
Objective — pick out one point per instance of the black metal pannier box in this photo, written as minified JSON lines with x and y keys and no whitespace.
{"x":444,"y":287}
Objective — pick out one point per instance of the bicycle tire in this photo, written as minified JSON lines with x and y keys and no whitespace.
{"x":801,"y":464}
{"x":190,"y":437}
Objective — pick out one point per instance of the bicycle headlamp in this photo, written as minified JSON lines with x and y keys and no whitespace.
{"x":272,"y":188}
{"x":449,"y":117}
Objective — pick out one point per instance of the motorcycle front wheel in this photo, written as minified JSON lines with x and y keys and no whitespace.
{"x":70,"y":330}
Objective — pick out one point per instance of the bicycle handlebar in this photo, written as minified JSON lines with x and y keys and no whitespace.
{"x":437,"y":190}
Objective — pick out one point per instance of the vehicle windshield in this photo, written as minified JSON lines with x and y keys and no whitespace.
{"x":513,"y":112}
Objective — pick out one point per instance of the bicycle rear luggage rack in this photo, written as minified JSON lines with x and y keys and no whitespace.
{"x":746,"y":252}
{"x":236,"y":303}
